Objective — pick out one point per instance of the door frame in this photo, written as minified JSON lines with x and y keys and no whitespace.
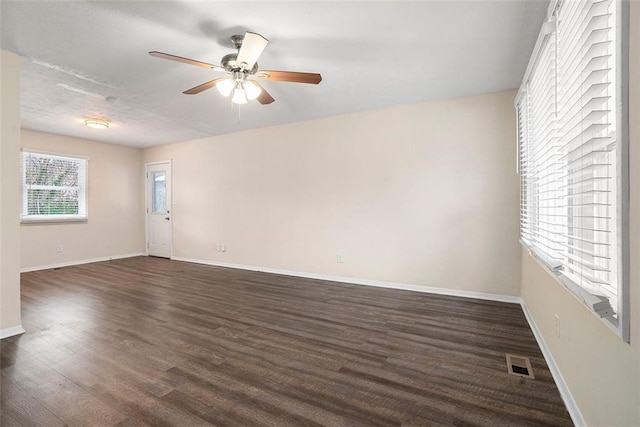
{"x":146,"y":204}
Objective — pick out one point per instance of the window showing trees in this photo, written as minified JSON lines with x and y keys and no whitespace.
{"x":53,"y":187}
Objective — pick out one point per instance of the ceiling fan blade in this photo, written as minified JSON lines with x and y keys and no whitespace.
{"x":264,"y":97}
{"x":289,"y":76}
{"x":204,"y":86}
{"x":252,"y":46}
{"x":185,"y":60}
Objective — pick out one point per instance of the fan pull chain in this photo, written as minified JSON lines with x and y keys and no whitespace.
{"x":239,"y":106}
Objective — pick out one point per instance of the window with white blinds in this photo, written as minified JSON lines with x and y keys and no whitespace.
{"x":54,"y":188}
{"x":572,"y":152}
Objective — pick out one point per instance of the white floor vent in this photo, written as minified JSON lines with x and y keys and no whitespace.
{"x":519,"y":366}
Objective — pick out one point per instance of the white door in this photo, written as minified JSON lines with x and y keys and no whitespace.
{"x":159,"y":209}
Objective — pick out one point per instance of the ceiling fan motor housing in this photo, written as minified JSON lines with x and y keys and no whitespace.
{"x":229,"y":64}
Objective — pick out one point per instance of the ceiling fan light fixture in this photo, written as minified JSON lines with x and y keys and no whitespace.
{"x":239,"y":96}
{"x":240,"y":66}
{"x":251,"y":89}
{"x":96,"y":124}
{"x":225,"y":87}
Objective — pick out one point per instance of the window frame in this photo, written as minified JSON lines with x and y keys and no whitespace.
{"x":83,"y":190}
{"x":620,"y":325}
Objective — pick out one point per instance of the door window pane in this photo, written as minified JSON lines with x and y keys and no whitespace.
{"x":159,"y":201}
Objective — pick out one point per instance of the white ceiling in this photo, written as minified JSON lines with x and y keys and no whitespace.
{"x":84,"y":59}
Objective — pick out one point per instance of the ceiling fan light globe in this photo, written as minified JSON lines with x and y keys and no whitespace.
{"x":239,"y":96}
{"x":225,"y":87}
{"x":251,"y":90}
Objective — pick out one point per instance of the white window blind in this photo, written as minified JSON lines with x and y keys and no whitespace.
{"x":569,"y":149}
{"x":540,"y":158}
{"x":54,"y":188}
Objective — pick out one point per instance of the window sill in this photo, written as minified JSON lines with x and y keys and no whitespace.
{"x":53,"y":219}
{"x":575,"y":290}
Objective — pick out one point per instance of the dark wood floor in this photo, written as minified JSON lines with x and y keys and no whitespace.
{"x":147,"y":341}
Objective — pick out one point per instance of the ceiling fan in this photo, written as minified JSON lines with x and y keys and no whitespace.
{"x":240,"y":66}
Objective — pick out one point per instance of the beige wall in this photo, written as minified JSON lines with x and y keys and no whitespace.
{"x":116,"y":201}
{"x":9,"y":193}
{"x":602,"y":372}
{"x":423,"y":194}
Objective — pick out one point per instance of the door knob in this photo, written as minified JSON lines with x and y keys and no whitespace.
{"x":167,"y":218}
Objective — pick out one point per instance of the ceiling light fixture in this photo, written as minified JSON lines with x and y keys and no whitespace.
{"x":239,"y":88}
{"x":97,"y":124}
{"x":239,"y":96}
{"x":251,"y":89}
{"x":226,"y":86}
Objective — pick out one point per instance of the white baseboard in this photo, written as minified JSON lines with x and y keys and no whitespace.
{"x":567,"y":397}
{"x":365,"y":282}
{"x":78,"y":262}
{"x":9,"y":332}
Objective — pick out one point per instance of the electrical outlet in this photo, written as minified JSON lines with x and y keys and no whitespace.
{"x":557,"y":326}
{"x":340,"y":258}
{"x":224,"y":248}
{"x":59,"y":248}
{"x":219,"y":247}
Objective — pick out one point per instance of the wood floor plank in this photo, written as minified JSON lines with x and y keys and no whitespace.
{"x":62,"y":397}
{"x":21,"y":408}
{"x":148,"y":341}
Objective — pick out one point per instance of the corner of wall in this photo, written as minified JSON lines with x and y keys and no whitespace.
{"x":9,"y":193}
{"x":563,"y":387}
